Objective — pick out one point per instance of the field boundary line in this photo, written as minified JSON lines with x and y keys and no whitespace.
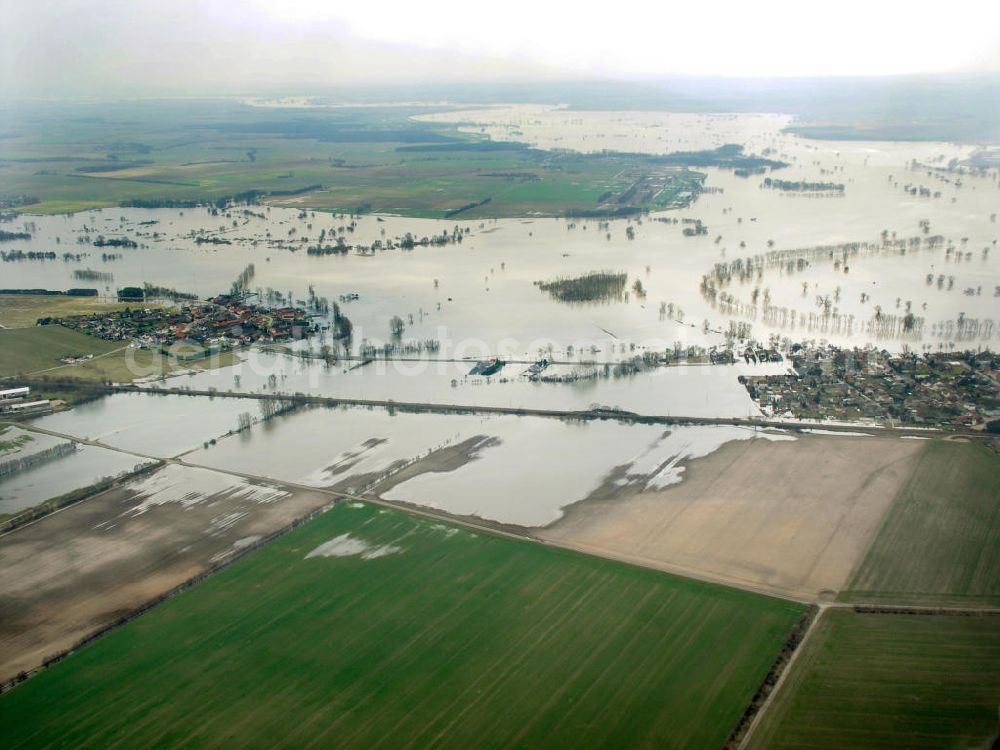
{"x":815,"y":614}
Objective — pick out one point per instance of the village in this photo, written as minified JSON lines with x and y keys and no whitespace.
{"x":217,"y":324}
{"x":936,"y":389}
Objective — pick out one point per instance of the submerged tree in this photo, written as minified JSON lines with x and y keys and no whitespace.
{"x":396,"y":326}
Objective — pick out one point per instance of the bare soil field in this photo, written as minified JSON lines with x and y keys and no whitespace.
{"x":791,"y":518}
{"x":83,"y":568}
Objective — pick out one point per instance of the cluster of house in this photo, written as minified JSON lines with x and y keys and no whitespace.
{"x":941,"y":388}
{"x":219,"y":323}
{"x":16,"y":402}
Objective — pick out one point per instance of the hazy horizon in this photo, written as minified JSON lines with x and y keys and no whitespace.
{"x":83,"y":48}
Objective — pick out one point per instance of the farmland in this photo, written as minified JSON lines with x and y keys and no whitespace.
{"x":28,"y":350}
{"x":890,"y":681}
{"x":371,"y":627}
{"x":24,"y":310}
{"x":939,"y":542}
{"x":729,"y":520}
{"x":111,"y":553}
{"x":39,"y":349}
{"x":354,"y":160}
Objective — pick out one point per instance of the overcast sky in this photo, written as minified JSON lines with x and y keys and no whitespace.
{"x":177,"y":47}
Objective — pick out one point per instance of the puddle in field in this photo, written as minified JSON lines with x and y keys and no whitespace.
{"x":188,"y":486}
{"x":346,"y":545}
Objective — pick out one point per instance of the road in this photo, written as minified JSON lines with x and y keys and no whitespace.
{"x":589,"y":414}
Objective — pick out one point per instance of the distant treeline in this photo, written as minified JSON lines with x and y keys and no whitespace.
{"x":15,"y":201}
{"x":112,"y":166}
{"x":803,"y":186}
{"x":52,"y":292}
{"x":467,"y":207}
{"x":88,"y":274}
{"x":11,"y":236}
{"x":487,"y":146}
{"x":604,"y":213}
{"x":130,"y":293}
{"x":224,"y":201}
{"x":332,"y":132}
{"x":172,"y":203}
{"x":295,"y":191}
{"x":153,"y":291}
{"x":729,"y":156}
{"x":14,"y":255}
{"x":115,"y":242}
{"x":598,"y":286}
{"x":18,"y":464}
{"x":124,"y":146}
{"x":338,"y":249}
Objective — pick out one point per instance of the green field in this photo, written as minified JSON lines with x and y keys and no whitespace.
{"x":454,"y":639}
{"x":37,"y":350}
{"x":940,"y":541}
{"x":24,"y":310}
{"x":71,"y":157}
{"x":890,"y":681}
{"x":27,"y":350}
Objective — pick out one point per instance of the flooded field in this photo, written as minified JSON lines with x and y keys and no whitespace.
{"x":521,"y":471}
{"x":535,"y":469}
{"x":792,"y":518}
{"x":479,"y":296}
{"x":347,"y":448}
{"x":81,"y":468}
{"x":19,"y":444}
{"x":709,"y":391}
{"x":139,"y":425}
{"x":160,"y":426}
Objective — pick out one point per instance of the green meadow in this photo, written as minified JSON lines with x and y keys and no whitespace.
{"x":373,"y":628}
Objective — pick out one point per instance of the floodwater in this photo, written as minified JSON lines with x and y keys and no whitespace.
{"x":479,"y":298}
{"x":30,"y":443}
{"x":320,"y":447}
{"x":82,"y":468}
{"x":480,"y":294}
{"x":160,"y":426}
{"x":695,"y":390}
{"x":575,"y":461}
{"x":523,"y":470}
{"x":186,"y":486}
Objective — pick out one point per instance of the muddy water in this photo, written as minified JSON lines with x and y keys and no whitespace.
{"x":515,"y":470}
{"x":703,"y":391}
{"x":508,"y":483}
{"x":485,"y":293}
{"x":86,"y":466}
{"x":160,"y":426}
